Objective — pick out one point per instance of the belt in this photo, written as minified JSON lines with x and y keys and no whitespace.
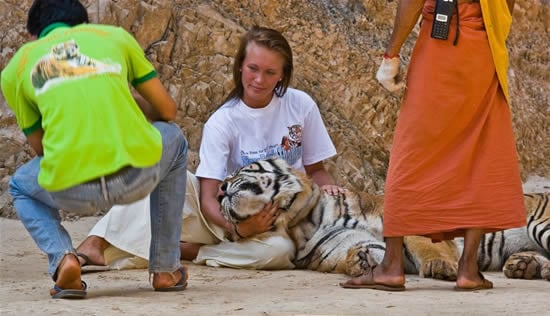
{"x":104,"y":179}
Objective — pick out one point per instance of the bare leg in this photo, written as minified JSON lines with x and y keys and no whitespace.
{"x":93,"y":247}
{"x":390,"y":271}
{"x":189,"y":251}
{"x":468,"y":270}
{"x":68,"y":274}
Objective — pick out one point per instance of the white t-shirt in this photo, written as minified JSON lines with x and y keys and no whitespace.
{"x":289,"y":127}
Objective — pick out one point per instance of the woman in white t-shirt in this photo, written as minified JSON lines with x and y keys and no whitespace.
{"x":261,"y":118}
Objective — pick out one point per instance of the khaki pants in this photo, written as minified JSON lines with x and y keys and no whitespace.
{"x":127,"y":228}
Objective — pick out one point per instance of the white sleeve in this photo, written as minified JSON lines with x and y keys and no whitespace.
{"x":214,"y":152}
{"x":317,"y":145}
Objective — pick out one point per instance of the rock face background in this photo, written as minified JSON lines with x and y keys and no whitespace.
{"x":337,"y":46}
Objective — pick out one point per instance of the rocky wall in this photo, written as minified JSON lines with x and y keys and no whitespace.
{"x":337,"y":46}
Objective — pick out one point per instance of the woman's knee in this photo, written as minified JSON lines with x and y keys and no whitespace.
{"x":279,"y":247}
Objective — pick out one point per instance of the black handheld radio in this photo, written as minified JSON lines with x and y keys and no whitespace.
{"x":444,"y":10}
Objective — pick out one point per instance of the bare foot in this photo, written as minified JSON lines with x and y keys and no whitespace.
{"x":68,"y":274}
{"x":470,"y":278}
{"x":377,"y":278}
{"x":163,"y":280}
{"x":92,"y":248}
{"x":477,"y":282}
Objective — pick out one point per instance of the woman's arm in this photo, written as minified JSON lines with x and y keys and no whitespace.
{"x":210,"y":207}
{"x":320,"y":176}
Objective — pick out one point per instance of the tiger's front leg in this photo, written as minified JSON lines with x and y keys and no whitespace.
{"x":436,"y":260}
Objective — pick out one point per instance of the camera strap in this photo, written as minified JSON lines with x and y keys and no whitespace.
{"x":457,"y":24}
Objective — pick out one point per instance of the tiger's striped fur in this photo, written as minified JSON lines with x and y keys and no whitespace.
{"x":521,"y":252}
{"x":343,"y":234}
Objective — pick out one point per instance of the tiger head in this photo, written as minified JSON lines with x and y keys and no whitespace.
{"x":295,"y":133}
{"x":247,"y":191}
{"x":65,"y":51}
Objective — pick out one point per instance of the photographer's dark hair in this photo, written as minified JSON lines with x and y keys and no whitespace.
{"x":45,"y":12}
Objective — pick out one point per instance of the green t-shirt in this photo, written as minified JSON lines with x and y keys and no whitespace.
{"x":73,"y":83}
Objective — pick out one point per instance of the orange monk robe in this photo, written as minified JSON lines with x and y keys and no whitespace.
{"x":453,"y":162}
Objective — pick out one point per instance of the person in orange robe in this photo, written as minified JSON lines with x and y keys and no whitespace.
{"x":453,"y":168}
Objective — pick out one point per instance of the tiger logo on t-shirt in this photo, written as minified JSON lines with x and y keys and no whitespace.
{"x":65,"y":62}
{"x":294,"y":138}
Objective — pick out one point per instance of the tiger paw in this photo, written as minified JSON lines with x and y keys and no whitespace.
{"x":440,"y":269}
{"x":522,"y":266}
{"x":545,"y":271}
{"x":359,"y":260}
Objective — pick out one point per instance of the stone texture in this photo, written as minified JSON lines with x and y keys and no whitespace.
{"x":337,"y":46}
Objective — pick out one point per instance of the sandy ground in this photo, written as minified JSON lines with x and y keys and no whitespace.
{"x":216,"y":291}
{"x":24,"y":285}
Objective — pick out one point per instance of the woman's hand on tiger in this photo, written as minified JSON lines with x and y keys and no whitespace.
{"x":333,"y":189}
{"x":260,"y":222}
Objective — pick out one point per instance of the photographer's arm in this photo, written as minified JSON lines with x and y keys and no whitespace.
{"x":146,"y":107}
{"x":35,"y":141}
{"x":159,"y":105}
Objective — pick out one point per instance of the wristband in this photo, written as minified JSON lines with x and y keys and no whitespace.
{"x":386,"y":56}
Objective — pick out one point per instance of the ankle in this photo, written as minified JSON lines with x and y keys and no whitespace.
{"x":94,"y":242}
{"x":68,"y":274}
{"x":468,"y":265}
{"x":166,"y":279}
{"x":98,"y":243}
{"x":392,"y":267}
{"x":68,"y":262}
{"x":388,"y":275}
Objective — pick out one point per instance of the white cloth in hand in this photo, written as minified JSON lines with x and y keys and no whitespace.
{"x":387,"y":73}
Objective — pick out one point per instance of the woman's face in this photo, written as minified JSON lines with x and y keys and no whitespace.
{"x":262,"y":68}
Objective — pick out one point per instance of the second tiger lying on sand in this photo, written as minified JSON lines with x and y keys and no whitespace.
{"x":343,"y":234}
